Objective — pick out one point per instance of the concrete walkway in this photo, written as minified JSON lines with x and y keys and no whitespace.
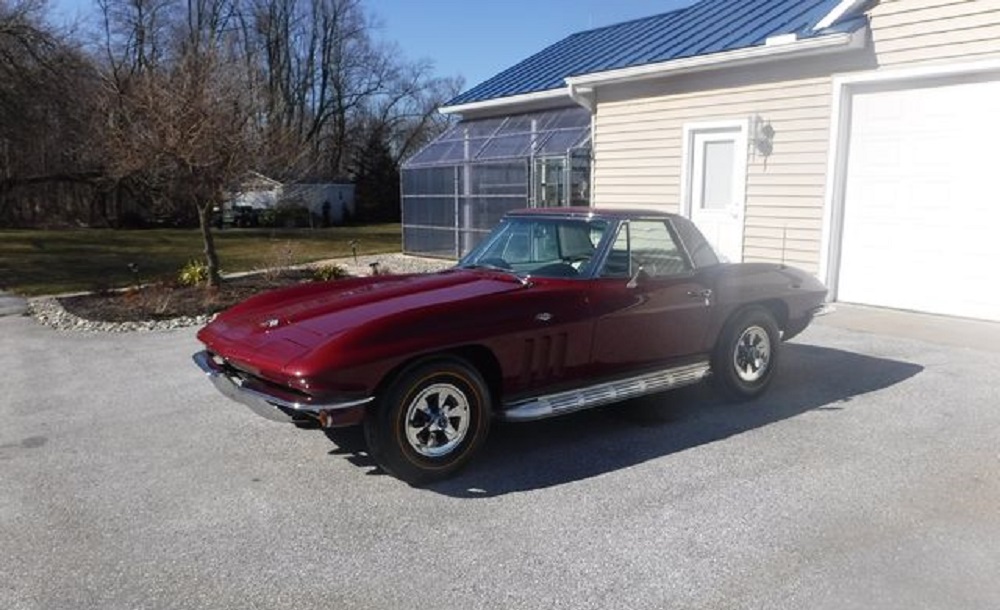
{"x":12,"y":305}
{"x":944,"y":330}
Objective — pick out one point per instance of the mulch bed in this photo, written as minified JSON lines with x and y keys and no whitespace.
{"x":166,"y":301}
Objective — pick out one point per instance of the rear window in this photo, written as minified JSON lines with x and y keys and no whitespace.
{"x":702,"y":254}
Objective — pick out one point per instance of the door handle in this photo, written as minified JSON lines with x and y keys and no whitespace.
{"x":700,"y":294}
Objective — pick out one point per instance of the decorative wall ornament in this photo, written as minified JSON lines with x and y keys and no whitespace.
{"x":761,"y":136}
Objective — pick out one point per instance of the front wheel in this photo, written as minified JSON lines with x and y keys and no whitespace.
{"x":746,"y":354}
{"x":430,"y":421}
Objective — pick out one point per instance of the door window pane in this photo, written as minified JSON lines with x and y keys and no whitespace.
{"x":654,"y":248}
{"x":719,"y":165}
{"x":647,"y":243}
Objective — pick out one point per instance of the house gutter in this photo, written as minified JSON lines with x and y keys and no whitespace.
{"x":538,"y":97}
{"x":782,"y":47}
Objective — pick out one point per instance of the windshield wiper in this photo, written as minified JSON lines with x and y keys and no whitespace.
{"x":487,"y":266}
{"x":491,"y":267}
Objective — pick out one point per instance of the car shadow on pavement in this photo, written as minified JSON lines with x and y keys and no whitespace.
{"x":535,"y":455}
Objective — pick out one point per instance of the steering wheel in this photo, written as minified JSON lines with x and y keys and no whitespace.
{"x":576,"y":261}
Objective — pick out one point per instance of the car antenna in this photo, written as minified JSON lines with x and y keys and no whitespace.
{"x":784,"y":241}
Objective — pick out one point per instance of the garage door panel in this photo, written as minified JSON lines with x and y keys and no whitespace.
{"x":921,"y":216}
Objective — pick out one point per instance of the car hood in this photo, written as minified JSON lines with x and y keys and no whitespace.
{"x":287,"y":323}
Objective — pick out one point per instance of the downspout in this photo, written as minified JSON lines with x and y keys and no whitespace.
{"x":587,"y":98}
{"x":584,"y":96}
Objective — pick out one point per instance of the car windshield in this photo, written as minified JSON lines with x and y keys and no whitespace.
{"x":540,"y":247}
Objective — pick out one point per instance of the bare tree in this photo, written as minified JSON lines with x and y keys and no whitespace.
{"x":179,"y":129}
{"x":182,"y":97}
{"x":46,"y":87}
{"x":396,"y":122}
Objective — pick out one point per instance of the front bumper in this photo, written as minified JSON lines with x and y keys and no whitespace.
{"x":272,"y":404}
{"x":823,"y":310}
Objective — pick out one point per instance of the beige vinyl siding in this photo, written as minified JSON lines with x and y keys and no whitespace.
{"x":920,"y":31}
{"x":638,"y":147}
{"x":638,"y":135}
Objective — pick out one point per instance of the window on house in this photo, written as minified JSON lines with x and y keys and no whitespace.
{"x":717,"y":179}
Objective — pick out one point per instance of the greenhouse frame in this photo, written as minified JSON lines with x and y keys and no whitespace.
{"x":456,"y":189}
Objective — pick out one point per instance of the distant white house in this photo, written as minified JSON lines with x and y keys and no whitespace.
{"x":331,"y":201}
{"x":255,"y":191}
{"x":336,"y":199}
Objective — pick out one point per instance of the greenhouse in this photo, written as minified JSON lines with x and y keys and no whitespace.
{"x":459,"y":186}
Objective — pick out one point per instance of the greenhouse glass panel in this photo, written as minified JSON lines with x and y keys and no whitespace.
{"x":429,"y":211}
{"x":430,"y":181}
{"x":561,"y":141}
{"x":456,"y":132}
{"x":484,"y":213}
{"x":519,"y":124}
{"x":568,"y":119}
{"x":457,"y":188}
{"x":499,"y":179}
{"x":421,"y":241}
{"x":507,"y":147}
{"x":480,"y":128}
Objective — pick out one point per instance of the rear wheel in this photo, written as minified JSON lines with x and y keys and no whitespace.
{"x":430,"y":421}
{"x":746,"y":354}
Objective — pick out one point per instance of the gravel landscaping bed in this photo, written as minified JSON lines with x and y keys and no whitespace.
{"x":62,"y":312}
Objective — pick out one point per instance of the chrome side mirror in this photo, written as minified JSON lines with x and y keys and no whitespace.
{"x":639,"y":275}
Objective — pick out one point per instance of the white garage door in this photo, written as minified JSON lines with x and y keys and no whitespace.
{"x":922,"y":200}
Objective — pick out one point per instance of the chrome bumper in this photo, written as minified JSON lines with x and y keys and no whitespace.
{"x":267,"y":404}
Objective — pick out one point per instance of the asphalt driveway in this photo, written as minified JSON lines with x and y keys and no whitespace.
{"x":866,"y":478}
{"x":11,"y":304}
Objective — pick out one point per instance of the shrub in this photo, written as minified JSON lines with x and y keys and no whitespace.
{"x":131,"y":220}
{"x":291,"y":216}
{"x":280,"y":259}
{"x":325,"y":273}
{"x":194,"y":272}
{"x":285,"y":216}
{"x":268,"y":218}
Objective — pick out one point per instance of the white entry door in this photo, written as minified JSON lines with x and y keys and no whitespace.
{"x":716,"y":178}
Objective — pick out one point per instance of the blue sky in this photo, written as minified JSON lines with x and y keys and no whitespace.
{"x":478,"y":38}
{"x":473,"y":38}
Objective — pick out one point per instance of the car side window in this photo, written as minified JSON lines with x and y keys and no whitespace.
{"x":698,"y":247}
{"x":617,"y":263}
{"x":646,"y":243}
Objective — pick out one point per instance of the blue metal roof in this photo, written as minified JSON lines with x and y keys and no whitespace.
{"x":709,"y":26}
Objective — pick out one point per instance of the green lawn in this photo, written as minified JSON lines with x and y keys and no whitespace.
{"x":48,"y":262}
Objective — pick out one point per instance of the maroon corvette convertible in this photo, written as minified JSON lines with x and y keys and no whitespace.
{"x":555,"y":311}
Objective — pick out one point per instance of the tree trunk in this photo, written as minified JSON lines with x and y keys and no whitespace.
{"x":211,"y":258}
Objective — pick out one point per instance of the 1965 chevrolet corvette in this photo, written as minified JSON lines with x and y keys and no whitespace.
{"x":555,"y":311}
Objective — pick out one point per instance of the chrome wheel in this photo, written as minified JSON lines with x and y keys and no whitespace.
{"x":437,"y":420}
{"x":432,"y":417}
{"x":752,"y":354}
